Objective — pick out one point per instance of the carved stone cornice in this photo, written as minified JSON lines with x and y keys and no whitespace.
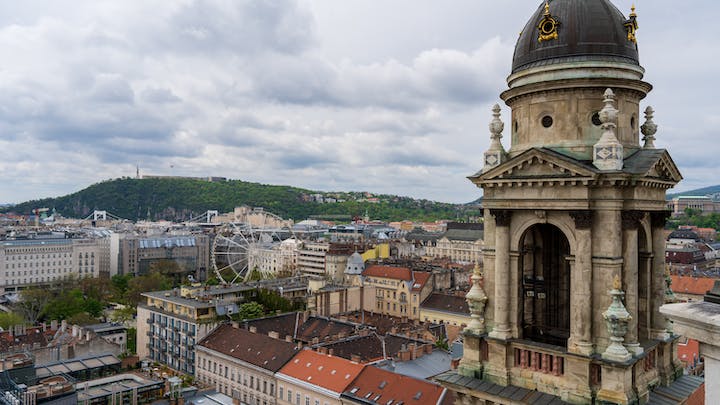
{"x":582,"y":218}
{"x":631,"y":219}
{"x":659,"y":218}
{"x":502,"y":217}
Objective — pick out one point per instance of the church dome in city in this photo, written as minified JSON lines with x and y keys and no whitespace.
{"x":576,"y":31}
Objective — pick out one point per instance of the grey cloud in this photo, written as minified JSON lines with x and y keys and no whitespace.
{"x":112,"y":90}
{"x":159,"y":96}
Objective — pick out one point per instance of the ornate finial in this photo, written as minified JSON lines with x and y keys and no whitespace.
{"x":617,"y":318}
{"x":548,"y":25}
{"x":476,"y":299}
{"x":608,"y":151}
{"x":632,"y":11}
{"x":496,"y":125}
{"x":495,"y":154}
{"x":649,"y":128}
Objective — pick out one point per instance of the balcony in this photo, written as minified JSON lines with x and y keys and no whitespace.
{"x":528,"y":357}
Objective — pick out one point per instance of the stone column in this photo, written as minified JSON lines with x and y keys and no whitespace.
{"x":630,"y":223}
{"x":502,"y":274}
{"x":658,"y":329}
{"x":581,"y":286}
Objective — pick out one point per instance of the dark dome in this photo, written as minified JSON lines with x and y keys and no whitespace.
{"x":588,"y":30}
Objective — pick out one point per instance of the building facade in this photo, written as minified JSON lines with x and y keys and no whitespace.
{"x":242,"y":364}
{"x":399,"y":291}
{"x":574,"y":221}
{"x":176,"y":255}
{"x":41,"y":261}
{"x":170,"y":323}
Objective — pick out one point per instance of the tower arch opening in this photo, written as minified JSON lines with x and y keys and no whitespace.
{"x":545,"y":288}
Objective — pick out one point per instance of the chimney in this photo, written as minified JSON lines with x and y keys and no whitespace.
{"x":288,"y":338}
{"x":363,"y":332}
{"x":331,"y":351}
{"x":63,"y":325}
{"x":274,"y":335}
{"x":44,"y":327}
{"x":235,"y":324}
{"x":394,"y":330}
{"x":299,"y":345}
{"x":428,"y":348}
{"x":53,"y":325}
{"x":322,"y":350}
{"x":253,"y":329}
{"x":356,"y":358}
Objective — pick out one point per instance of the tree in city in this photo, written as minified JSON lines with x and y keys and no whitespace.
{"x":250,"y":310}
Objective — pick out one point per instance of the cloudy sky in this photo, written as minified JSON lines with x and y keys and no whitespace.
{"x":388,"y":96}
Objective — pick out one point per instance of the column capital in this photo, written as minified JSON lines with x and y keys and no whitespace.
{"x":582,"y":218}
{"x":502,"y":217}
{"x":659,"y":218}
{"x":631,"y":219}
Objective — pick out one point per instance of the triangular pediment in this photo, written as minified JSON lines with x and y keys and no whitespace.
{"x":654,"y":164}
{"x":537,"y":164}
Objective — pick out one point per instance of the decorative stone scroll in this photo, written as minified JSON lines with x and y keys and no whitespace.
{"x":502,"y":217}
{"x":631,"y":219}
{"x":583,"y":219}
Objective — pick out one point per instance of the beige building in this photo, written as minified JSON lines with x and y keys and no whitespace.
{"x":399,"y":291}
{"x":43,"y":260}
{"x":574,"y":214}
{"x":242,"y":364}
{"x":316,"y":379}
{"x":461,"y":243}
{"x":703,"y":204}
{"x":311,"y":258}
{"x":170,"y":323}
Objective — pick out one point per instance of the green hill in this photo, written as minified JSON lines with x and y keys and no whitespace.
{"x":181,"y":199}
{"x":698,"y":191}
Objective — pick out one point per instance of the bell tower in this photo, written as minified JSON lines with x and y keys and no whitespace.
{"x":574,"y":215}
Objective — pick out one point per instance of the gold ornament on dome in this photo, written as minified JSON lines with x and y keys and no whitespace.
{"x":631,"y":25}
{"x":548,"y":26}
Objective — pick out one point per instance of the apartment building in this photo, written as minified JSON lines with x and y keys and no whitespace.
{"x":399,"y":291}
{"x":312,"y":378}
{"x":311,"y":258}
{"x":170,"y":323}
{"x":242,"y":364}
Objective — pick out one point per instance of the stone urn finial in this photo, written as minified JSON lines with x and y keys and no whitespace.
{"x":617,"y":318}
{"x":649,"y":128}
{"x":476,"y":299}
{"x":608,"y":151}
{"x":495,"y":155}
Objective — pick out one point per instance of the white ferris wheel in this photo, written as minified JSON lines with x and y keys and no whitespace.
{"x":240,"y":248}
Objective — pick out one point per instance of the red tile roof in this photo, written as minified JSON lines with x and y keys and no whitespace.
{"x":397,"y":273}
{"x":326,"y":371}
{"x":378,"y":386}
{"x":421,"y":278}
{"x":692,"y":285}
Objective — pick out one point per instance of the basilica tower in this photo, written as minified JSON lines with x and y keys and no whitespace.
{"x":568,"y":302}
